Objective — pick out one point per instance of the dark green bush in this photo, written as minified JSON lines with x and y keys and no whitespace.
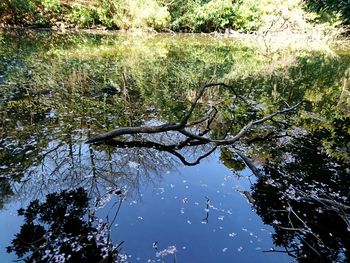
{"x":329,"y":9}
{"x":29,"y":12}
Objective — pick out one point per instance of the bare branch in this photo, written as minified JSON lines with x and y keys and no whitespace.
{"x":250,"y":164}
{"x":172,"y":149}
{"x":183,"y":124}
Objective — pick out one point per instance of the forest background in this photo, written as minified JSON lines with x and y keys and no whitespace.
{"x":246,"y":16}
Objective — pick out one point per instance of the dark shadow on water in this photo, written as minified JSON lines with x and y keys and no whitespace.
{"x":305,"y":199}
{"x":63,"y":228}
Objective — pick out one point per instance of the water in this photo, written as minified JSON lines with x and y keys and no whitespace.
{"x":154,"y":202}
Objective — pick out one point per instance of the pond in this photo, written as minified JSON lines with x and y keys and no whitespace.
{"x":278,"y":194}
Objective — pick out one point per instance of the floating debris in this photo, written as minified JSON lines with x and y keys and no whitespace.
{"x":233,"y":234}
{"x":168,"y":251}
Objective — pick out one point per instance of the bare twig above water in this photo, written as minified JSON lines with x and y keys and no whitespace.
{"x":184,"y":123}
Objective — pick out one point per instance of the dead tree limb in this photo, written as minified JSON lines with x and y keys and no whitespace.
{"x":333,"y":205}
{"x":172,"y":148}
{"x":183,"y":124}
{"x":250,"y":164}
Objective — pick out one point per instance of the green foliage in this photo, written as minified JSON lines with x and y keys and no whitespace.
{"x":51,"y":5}
{"x":17,"y":11}
{"x":248,"y":14}
{"x":83,"y":16}
{"x":331,"y":10}
{"x":231,"y":160}
{"x":214,"y":15}
{"x":123,"y":14}
{"x":29,"y":12}
{"x":181,"y":15}
{"x":218,"y":14}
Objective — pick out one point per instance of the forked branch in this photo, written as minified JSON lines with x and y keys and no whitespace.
{"x":184,"y":123}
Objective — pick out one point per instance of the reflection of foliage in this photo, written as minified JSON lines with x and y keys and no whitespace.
{"x":5,"y":191}
{"x":136,"y":67}
{"x":230,"y":160}
{"x":336,"y":138}
{"x":99,"y":82}
{"x":295,"y":198}
{"x":59,"y":230}
{"x":102,"y":82}
{"x":321,"y":80}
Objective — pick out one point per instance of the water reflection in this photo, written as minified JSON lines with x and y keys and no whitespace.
{"x":305,"y":198}
{"x":59,"y":90}
{"x":296,"y":195}
{"x":63,"y":229}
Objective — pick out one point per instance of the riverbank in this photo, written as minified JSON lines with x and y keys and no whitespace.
{"x":214,"y":16}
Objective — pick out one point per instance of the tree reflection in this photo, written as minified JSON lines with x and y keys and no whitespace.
{"x":42,"y":130}
{"x":305,"y":198}
{"x":63,"y":229}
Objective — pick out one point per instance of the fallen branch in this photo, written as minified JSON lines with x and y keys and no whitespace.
{"x":249,"y":197}
{"x":250,"y":164}
{"x":183,"y":124}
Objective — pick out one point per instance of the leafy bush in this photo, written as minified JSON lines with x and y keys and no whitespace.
{"x":331,"y":10}
{"x":248,"y":14}
{"x":29,"y":12}
{"x":179,"y":15}
{"x":51,"y":5}
{"x":17,"y":11}
{"x":83,"y":16}
{"x":182,"y":14}
{"x":218,"y":15}
{"x":126,"y":14}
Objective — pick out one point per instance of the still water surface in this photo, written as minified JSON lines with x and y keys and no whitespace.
{"x":147,"y":203}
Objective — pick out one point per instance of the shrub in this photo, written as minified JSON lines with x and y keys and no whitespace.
{"x":126,"y":14}
{"x":218,"y":15}
{"x":214,"y":15}
{"x":182,"y":14}
{"x":29,"y":12}
{"x":248,"y":14}
{"x":17,"y":11}
{"x":331,"y":10}
{"x":51,"y":5}
{"x":83,"y":16}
